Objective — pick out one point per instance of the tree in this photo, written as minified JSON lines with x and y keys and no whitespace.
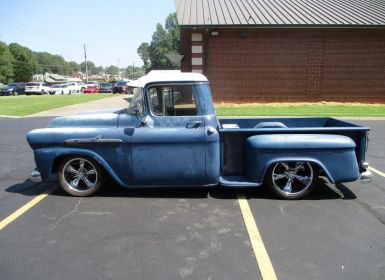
{"x":74,"y":67}
{"x":112,"y":70}
{"x":165,"y":40}
{"x":6,"y":67}
{"x":173,"y":32}
{"x":143,"y":52}
{"x":91,"y":67}
{"x":137,"y":73}
{"x":23,"y":62}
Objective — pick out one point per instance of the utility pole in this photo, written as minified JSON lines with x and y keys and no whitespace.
{"x":85,"y":60}
{"x":133,"y":73}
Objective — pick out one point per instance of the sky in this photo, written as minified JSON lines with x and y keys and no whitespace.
{"x":111,"y":29}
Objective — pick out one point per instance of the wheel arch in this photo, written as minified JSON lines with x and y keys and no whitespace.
{"x":85,"y":153}
{"x":314,"y":161}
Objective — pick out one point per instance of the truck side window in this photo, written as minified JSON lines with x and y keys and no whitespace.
{"x":172,"y":100}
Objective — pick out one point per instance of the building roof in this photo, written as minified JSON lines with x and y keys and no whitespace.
{"x":285,"y":13}
{"x":155,"y":76}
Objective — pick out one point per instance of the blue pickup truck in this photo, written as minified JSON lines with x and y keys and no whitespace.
{"x":170,"y":136}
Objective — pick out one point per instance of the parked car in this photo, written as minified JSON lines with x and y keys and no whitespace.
{"x":106,"y":87}
{"x":120,"y":87}
{"x":75,"y":87}
{"x":13,"y":89}
{"x":59,"y":89}
{"x":36,"y":88}
{"x":92,"y":84}
{"x":160,"y":140}
{"x":92,"y":89}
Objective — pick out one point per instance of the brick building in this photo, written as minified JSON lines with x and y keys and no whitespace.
{"x":282,"y":50}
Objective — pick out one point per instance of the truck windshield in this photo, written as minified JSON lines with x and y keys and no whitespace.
{"x":136,"y":99}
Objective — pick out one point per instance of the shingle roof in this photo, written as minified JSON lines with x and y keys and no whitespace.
{"x":280,"y":12}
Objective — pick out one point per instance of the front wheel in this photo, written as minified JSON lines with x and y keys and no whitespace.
{"x":292,"y":180}
{"x":15,"y":93}
{"x":80,"y":176}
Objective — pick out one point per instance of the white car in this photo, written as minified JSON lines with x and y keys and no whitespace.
{"x":92,"y":84}
{"x":59,"y":89}
{"x":36,"y":88}
{"x":75,"y":87}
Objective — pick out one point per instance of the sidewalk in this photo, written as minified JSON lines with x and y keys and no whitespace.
{"x":118,"y":102}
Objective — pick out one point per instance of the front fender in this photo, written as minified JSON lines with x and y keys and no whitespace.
{"x":334,"y":154}
{"x":46,"y":158}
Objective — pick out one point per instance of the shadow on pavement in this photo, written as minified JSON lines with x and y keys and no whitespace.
{"x":29,"y":188}
{"x":323,"y":191}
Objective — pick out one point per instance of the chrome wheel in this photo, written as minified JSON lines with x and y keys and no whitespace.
{"x":80,"y":175}
{"x":292,"y":179}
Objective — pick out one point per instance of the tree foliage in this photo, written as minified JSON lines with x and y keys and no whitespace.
{"x":137,"y":73}
{"x":165,"y":40}
{"x":92,"y":69}
{"x":112,"y":70}
{"x":6,"y":66}
{"x":18,"y":63}
{"x":143,"y":52}
{"x":24,"y":63}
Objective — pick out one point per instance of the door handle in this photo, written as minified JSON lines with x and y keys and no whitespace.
{"x":193,"y":124}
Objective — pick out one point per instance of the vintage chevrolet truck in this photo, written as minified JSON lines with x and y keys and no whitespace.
{"x":170,"y":136}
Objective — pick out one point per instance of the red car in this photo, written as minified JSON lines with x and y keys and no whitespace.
{"x":92,"y":90}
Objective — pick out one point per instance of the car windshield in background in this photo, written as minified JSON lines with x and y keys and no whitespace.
{"x":11,"y":85}
{"x":105,"y":84}
{"x":59,"y":86}
{"x":121,"y":83}
{"x":33,"y":84}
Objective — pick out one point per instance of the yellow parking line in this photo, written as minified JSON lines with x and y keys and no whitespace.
{"x":25,"y":208}
{"x":376,"y":171}
{"x":263,"y":260}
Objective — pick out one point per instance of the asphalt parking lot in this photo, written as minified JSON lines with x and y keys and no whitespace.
{"x":336,"y":233}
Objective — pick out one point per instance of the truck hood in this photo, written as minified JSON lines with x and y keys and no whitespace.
{"x":100,"y":119}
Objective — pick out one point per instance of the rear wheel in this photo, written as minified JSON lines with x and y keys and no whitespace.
{"x":80,"y":176}
{"x":292,"y":180}
{"x":15,"y":93}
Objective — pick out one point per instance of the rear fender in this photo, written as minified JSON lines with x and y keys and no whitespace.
{"x":334,"y":154}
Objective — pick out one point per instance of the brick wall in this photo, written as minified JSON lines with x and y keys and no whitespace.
{"x":271,"y":65}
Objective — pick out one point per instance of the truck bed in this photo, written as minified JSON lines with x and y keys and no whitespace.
{"x":234,"y":132}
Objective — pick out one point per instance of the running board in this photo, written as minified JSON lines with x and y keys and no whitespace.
{"x":236,"y":182}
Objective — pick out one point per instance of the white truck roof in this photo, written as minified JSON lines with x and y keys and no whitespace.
{"x":168,"y":76}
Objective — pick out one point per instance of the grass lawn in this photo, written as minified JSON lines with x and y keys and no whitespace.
{"x":25,"y":105}
{"x":302,"y":109}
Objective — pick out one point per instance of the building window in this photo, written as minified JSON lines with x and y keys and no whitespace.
{"x":196,"y":61}
{"x":196,"y":49}
{"x":196,"y":37}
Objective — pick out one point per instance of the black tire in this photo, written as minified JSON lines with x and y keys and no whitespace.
{"x":82,"y":89}
{"x":15,"y":93}
{"x":80,"y":176}
{"x":42,"y":92}
{"x":291,"y":180}
{"x":62,"y":92}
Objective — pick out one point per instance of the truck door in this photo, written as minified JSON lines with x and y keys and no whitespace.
{"x":169,"y":149}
